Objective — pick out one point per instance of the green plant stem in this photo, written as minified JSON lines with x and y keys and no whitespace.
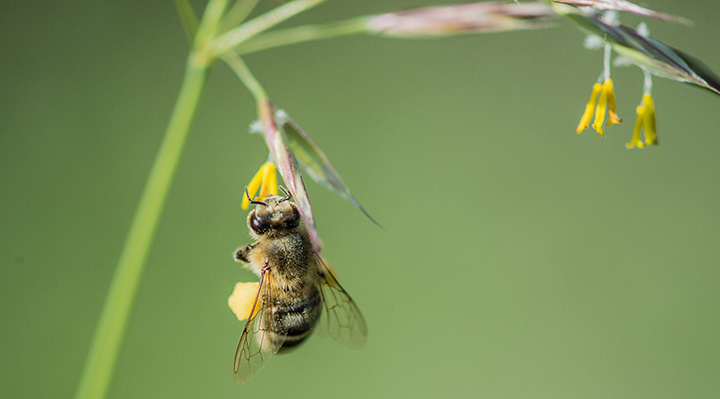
{"x":243,"y":72}
{"x":108,"y":337}
{"x":237,"y":13}
{"x":100,"y":364}
{"x":260,"y":24}
{"x":303,"y":34}
{"x":188,"y":18}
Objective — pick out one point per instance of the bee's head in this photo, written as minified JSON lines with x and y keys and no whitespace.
{"x":274,"y":214}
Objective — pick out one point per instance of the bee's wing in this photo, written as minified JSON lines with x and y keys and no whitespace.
{"x":257,"y":344}
{"x":341,"y":318}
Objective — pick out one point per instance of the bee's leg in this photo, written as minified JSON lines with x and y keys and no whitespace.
{"x":242,"y":254}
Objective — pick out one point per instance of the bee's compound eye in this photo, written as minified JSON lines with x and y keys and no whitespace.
{"x":293,"y":220}
{"x":256,"y":225}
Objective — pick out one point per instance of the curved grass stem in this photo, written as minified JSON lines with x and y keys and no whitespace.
{"x":260,"y":24}
{"x":237,"y":13}
{"x":304,"y":33}
{"x":108,"y":337}
{"x":100,"y":365}
{"x":243,"y":72}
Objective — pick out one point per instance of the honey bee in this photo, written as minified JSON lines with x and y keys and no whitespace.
{"x":297,"y":291}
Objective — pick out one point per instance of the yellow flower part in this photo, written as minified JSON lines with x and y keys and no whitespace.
{"x":589,"y":108}
{"x":612,"y":106}
{"x":602,"y":102}
{"x":266,"y":180}
{"x":646,"y":121}
{"x":242,"y":299}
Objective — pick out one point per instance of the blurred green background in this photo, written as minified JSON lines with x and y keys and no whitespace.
{"x":518,"y":260}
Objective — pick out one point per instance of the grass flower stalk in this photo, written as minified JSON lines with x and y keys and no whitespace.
{"x":100,"y":364}
{"x":261,"y":23}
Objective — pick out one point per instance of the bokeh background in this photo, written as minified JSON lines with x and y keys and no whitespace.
{"x":518,"y":259}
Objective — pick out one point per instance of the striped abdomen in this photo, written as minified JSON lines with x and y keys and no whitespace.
{"x":297,"y":313}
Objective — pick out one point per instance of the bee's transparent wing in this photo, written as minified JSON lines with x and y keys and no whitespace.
{"x":262,"y":336}
{"x":341,"y":318}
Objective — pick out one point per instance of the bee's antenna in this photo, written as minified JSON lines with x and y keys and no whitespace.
{"x":251,"y":200}
{"x":287,"y":195}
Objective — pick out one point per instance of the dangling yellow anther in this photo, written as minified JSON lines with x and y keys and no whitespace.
{"x":242,"y":299}
{"x":266,"y":180}
{"x":612,"y":105}
{"x":589,"y":108}
{"x":602,"y":102}
{"x":600,"y":112}
{"x":646,"y":120}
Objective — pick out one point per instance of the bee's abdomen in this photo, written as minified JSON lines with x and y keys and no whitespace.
{"x":298,"y":315}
